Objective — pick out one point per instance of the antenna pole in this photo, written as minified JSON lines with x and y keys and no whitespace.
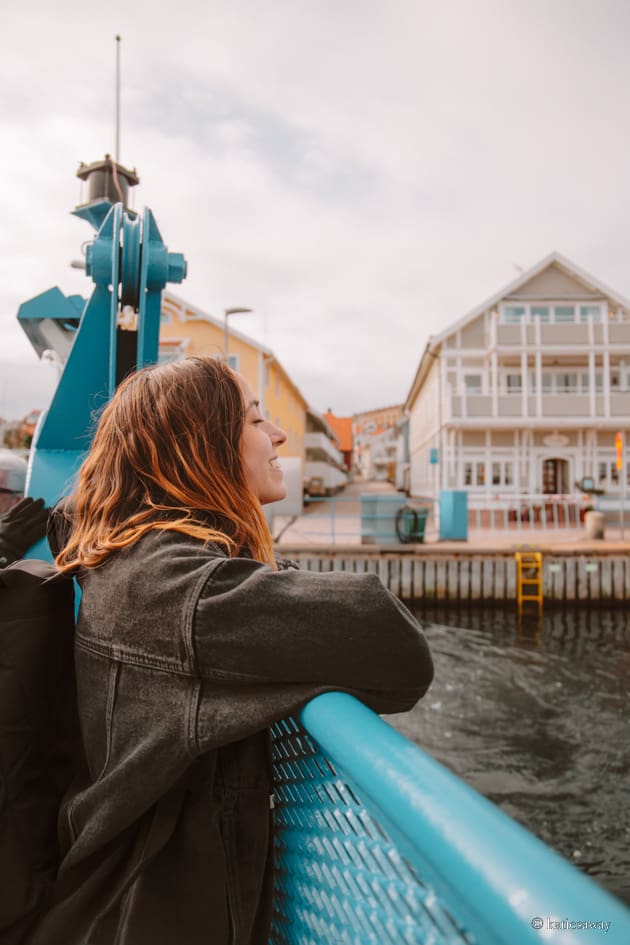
{"x":117,"y":150}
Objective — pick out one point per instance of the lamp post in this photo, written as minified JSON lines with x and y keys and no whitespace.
{"x":226,"y":314}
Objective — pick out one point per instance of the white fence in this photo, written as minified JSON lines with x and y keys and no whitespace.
{"x":337,"y":520}
{"x":509,"y":510}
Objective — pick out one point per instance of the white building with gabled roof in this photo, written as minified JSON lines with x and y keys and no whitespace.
{"x":526,"y":392}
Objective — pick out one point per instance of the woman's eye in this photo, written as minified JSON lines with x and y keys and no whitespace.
{"x":258,"y":420}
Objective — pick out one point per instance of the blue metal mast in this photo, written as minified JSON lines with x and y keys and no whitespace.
{"x":104,"y":339}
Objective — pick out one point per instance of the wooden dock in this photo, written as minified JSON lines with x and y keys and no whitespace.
{"x":457,"y":573}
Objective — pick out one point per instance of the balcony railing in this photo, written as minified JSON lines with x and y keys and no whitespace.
{"x":321,"y":443}
{"x":561,"y":335}
{"x":561,"y":404}
{"x":515,"y":511}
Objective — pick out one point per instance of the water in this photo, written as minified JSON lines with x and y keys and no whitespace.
{"x":536,"y":718}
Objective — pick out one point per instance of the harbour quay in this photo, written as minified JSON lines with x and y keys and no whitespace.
{"x":481,"y":572}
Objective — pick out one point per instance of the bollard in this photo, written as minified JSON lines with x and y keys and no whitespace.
{"x":594,"y":525}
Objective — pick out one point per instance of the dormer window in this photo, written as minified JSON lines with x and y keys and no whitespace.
{"x":558,"y":313}
{"x":588,"y":312}
{"x":513,"y":314}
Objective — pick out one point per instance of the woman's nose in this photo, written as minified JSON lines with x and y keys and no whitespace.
{"x":278,"y":436}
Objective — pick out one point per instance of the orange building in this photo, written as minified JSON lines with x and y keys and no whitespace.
{"x":342,"y":428}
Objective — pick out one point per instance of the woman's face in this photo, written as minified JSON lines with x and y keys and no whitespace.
{"x":258,"y":449}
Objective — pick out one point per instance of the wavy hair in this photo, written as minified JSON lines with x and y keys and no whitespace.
{"x":165,"y":455}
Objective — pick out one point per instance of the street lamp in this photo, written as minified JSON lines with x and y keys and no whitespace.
{"x":226,"y":314}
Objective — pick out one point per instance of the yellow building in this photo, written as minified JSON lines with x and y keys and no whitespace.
{"x":186,"y":330}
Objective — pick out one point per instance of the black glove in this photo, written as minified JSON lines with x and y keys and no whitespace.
{"x":20,"y":528}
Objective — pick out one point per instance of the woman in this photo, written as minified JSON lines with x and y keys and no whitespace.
{"x":190,"y":642}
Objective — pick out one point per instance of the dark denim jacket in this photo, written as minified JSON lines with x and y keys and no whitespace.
{"x":184,"y":657}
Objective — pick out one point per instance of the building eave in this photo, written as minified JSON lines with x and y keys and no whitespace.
{"x":430,"y":353}
{"x":201,"y":316}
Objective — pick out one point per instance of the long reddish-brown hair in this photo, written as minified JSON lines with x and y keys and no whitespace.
{"x":165,"y":455}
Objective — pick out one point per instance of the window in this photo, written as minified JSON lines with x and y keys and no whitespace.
{"x":502,"y":474}
{"x":474,"y":473}
{"x":513,"y":383}
{"x":590,"y":312}
{"x":472,"y":383}
{"x":559,"y":312}
{"x":234,"y":361}
{"x":512,"y":314}
{"x":564,"y":313}
{"x":167,"y":355}
{"x":566,"y":383}
{"x":607,"y":473}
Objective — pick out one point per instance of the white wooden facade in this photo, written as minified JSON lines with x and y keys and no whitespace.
{"x":526,"y":392}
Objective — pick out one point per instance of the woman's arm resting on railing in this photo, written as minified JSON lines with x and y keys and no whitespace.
{"x":334,"y":630}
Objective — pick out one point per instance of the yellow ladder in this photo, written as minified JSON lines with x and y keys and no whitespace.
{"x":528,"y":578}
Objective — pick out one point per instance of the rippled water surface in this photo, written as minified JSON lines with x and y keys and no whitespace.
{"x":537,"y":719}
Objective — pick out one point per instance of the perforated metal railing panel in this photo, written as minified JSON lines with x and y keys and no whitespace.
{"x":340,"y":880}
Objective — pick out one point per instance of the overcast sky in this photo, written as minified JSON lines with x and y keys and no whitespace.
{"x":359,"y":173}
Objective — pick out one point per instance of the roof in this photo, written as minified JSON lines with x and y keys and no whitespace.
{"x":192,"y":313}
{"x":434,"y":343}
{"x":342,"y":428}
{"x":553,"y":258}
{"x":368,"y":413}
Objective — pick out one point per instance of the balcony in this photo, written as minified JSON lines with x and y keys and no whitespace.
{"x":509,"y":336}
{"x":559,"y":335}
{"x":321,"y":448}
{"x":560,"y":406}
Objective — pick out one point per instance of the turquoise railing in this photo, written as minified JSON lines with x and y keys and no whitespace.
{"x":378,"y":844}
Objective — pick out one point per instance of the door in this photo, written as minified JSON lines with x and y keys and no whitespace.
{"x":555,"y":476}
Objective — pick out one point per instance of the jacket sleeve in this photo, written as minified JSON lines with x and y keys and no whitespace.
{"x":309,"y":632}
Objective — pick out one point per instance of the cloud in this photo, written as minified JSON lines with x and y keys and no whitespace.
{"x":360,"y":174}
